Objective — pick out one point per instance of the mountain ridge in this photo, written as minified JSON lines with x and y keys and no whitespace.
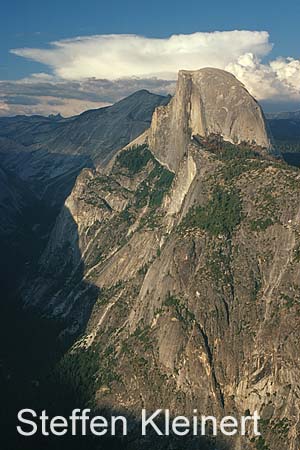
{"x":183,"y":285}
{"x":198,"y":110}
{"x":47,"y":154}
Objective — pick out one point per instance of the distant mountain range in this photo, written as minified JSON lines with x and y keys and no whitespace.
{"x":293,"y":115}
{"x":285,"y":129}
{"x":46,"y":154}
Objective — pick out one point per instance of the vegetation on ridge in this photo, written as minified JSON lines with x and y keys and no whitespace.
{"x":220,"y":215}
{"x":135,"y":158}
{"x":155,"y":182}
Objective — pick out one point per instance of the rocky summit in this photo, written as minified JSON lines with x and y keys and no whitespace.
{"x":178,"y":265}
{"x":207,"y":102}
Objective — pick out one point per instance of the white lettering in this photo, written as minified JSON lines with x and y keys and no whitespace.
{"x":149,"y":421}
{"x":27,"y":422}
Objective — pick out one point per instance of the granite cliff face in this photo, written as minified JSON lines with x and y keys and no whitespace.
{"x":44,"y":151}
{"x":180,"y":265}
{"x":207,"y":102}
{"x":41,"y":158}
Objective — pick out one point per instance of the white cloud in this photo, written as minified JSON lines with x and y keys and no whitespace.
{"x":116,"y":56}
{"x":278,"y":80}
{"x":104,"y":68}
{"x":288,"y":72}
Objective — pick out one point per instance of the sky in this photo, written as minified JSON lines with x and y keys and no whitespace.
{"x":68,"y":56}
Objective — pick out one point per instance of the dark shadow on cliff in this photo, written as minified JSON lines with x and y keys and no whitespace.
{"x":30,"y":379}
{"x":33,"y":339}
{"x":55,"y":284}
{"x":32,"y":347}
{"x":42,"y":181}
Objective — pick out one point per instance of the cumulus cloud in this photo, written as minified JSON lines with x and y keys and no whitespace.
{"x":88,"y":72}
{"x":115,"y":56}
{"x":278,"y":80}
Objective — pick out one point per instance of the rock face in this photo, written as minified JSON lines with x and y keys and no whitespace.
{"x":41,"y":158}
{"x":180,"y":266}
{"x":184,"y":306}
{"x":49,"y":152}
{"x":207,"y":101}
{"x":97,"y":133}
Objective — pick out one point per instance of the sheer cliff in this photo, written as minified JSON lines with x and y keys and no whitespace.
{"x":179,"y":265}
{"x":207,"y":102}
{"x":41,"y":158}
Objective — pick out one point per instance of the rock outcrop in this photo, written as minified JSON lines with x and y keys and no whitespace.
{"x":207,"y":102}
{"x":48,"y":153}
{"x":41,"y":158}
{"x":180,"y":266}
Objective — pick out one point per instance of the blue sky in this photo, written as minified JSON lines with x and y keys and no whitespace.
{"x":35,"y":24}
